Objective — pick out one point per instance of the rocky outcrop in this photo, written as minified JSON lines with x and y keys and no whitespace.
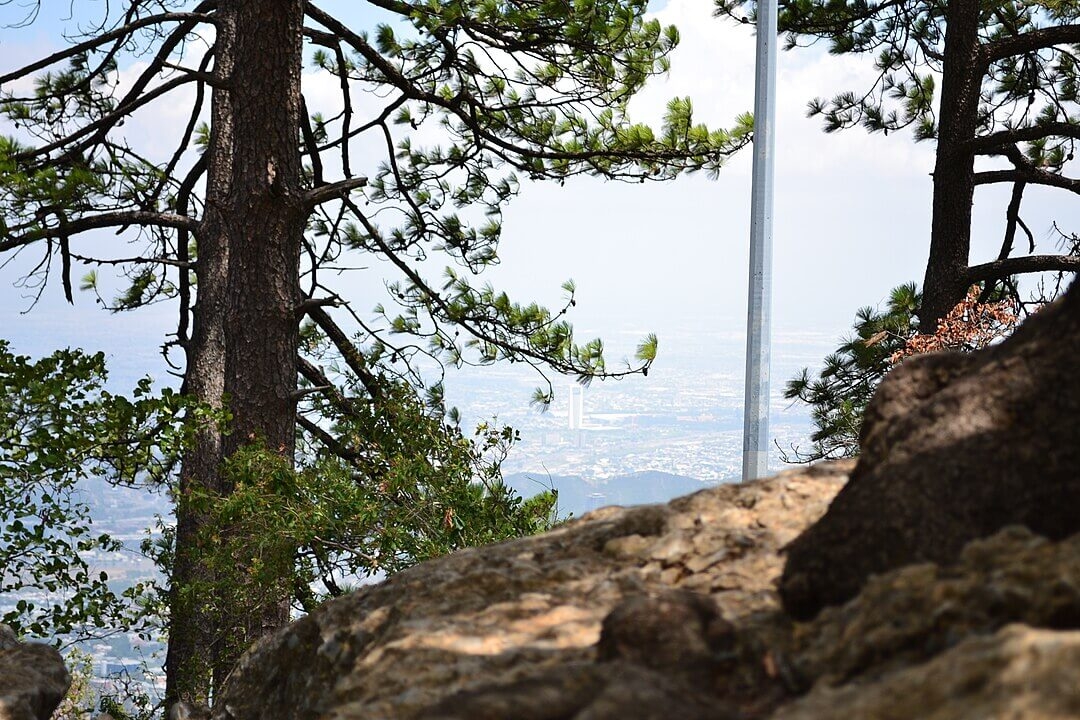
{"x":996,"y":635}
{"x":672,"y":611}
{"x":529,"y":626}
{"x":33,"y":678}
{"x":588,"y":622}
{"x":1018,"y":672}
{"x":954,"y":448}
{"x":913,"y":614}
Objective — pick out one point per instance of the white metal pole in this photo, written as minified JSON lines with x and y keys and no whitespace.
{"x":759,"y":309}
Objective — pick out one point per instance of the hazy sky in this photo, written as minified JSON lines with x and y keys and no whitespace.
{"x":852,"y":211}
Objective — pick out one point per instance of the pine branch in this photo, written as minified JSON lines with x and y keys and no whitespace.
{"x":1032,"y":177}
{"x":1030,"y":41}
{"x":99,"y":40}
{"x":103,"y":220}
{"x":105,"y":123}
{"x":1020,"y":265}
{"x":1025,"y":172}
{"x":468,"y":109}
{"x":993,"y":143}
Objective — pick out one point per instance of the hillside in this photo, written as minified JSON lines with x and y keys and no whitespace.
{"x":578,"y":496}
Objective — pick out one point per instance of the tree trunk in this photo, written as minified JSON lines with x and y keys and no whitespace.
{"x":244,"y":333}
{"x":945,"y":283}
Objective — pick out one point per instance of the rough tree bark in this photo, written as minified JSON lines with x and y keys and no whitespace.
{"x":244,"y":340}
{"x":946,"y":280}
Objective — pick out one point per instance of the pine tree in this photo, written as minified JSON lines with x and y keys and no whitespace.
{"x":849,"y":376}
{"x":883,"y":339}
{"x":1008,"y":80}
{"x":247,"y":222}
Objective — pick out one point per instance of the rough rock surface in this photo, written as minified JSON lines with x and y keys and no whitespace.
{"x":586,"y":624}
{"x":528,"y":617}
{"x":993,"y":636}
{"x":954,"y":448}
{"x":996,"y":635}
{"x":33,"y":678}
{"x":1019,"y":672}
{"x":910,"y":615}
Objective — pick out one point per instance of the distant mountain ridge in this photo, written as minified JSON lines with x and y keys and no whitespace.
{"x":578,"y":495}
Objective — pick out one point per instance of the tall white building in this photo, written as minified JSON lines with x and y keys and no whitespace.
{"x":575,"y":411}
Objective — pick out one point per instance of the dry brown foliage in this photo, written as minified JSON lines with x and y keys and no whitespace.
{"x":971,"y":325}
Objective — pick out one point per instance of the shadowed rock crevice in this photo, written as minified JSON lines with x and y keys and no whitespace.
{"x":954,"y":448}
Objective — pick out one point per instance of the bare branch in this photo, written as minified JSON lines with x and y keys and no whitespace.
{"x":1019,"y":265}
{"x":332,"y":191}
{"x":316,"y":376}
{"x":328,"y":441}
{"x":309,"y":142}
{"x":302,"y":393}
{"x":183,"y":202}
{"x":349,"y":352}
{"x":171,"y":262}
{"x":103,"y":220}
{"x":1012,"y":218}
{"x":310,"y":303}
{"x":189,"y":131}
{"x":120,"y":32}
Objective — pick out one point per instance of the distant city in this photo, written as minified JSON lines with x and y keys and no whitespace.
{"x":121,"y":662}
{"x":684,"y":419}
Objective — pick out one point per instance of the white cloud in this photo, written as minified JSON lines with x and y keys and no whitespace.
{"x":852,"y":211}
{"x":851,"y":214}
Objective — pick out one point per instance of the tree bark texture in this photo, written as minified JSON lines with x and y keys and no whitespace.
{"x":945,"y":283}
{"x":242,"y":351}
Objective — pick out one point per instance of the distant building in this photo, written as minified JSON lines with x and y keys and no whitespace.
{"x":575,"y":411}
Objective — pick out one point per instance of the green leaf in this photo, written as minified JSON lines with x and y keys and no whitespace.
{"x":646,"y":350}
{"x":89,"y":281}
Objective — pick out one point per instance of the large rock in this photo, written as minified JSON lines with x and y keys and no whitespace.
{"x":526,"y":629}
{"x":33,"y":678}
{"x":954,"y":447}
{"x":589,"y":623}
{"x":1018,"y":673}
{"x":993,"y":636}
{"x":910,"y":615}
